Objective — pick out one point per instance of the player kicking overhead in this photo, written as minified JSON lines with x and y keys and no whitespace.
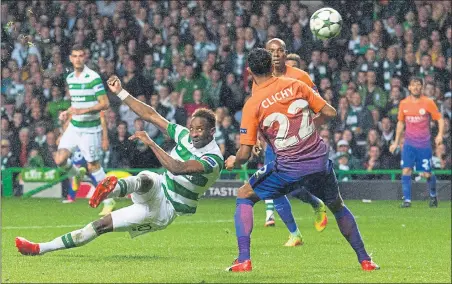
{"x":191,"y":168}
{"x":88,"y":99}
{"x":415,"y":112}
{"x":277,"y":48}
{"x":281,"y":109}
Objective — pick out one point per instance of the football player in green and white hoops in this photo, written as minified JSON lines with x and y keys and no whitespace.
{"x":88,"y":99}
{"x":193,"y":165}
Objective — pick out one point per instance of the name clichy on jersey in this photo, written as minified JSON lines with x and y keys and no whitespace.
{"x":287,"y":92}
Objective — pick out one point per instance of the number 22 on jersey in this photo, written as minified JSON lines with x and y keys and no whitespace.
{"x":305,"y":130}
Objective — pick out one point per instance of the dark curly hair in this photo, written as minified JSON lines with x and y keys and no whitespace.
{"x":207,"y":114}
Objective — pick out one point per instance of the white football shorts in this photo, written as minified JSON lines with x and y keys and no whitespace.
{"x":151,"y":211}
{"x":88,"y":143}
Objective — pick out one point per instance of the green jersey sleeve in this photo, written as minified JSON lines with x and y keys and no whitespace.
{"x":177,"y":132}
{"x":211,"y":162}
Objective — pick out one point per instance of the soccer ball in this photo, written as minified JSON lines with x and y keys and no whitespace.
{"x":326,"y":23}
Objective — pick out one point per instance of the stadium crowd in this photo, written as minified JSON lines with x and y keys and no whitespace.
{"x":182,"y":55}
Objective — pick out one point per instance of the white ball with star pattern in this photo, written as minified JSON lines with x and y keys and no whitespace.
{"x":326,"y":23}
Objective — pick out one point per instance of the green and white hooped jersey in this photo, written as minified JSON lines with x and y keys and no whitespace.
{"x":183,"y":191}
{"x":84,"y":91}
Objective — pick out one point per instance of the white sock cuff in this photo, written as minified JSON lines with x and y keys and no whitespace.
{"x":99,"y":175}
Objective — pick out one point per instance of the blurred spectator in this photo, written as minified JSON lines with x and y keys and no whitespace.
{"x":180,"y":114}
{"x":122,"y":147}
{"x":446,"y":107}
{"x":202,"y":46}
{"x":359,"y":119}
{"x":343,"y":147}
{"x":196,"y":104}
{"x":325,"y":135}
{"x":23,"y":47}
{"x":189,"y":83}
{"x":372,"y":160}
{"x":6,"y":131}
{"x":39,"y":133}
{"x":48,"y":149}
{"x":23,"y":148}
{"x":134,"y":81}
{"x":216,"y":89}
{"x":372,"y":95}
{"x":8,"y":158}
{"x":229,"y":130}
{"x":141,"y":155}
{"x":101,"y":47}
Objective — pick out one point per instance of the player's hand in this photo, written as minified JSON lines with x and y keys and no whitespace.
{"x":105,"y":144}
{"x":143,"y":136}
{"x":393,"y":147}
{"x":63,"y":116}
{"x":230,"y":162}
{"x":257,"y":149}
{"x":438,"y":140}
{"x":114,"y":84}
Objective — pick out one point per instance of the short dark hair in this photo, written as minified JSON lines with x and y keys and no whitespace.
{"x":207,"y":114}
{"x":294,"y":57}
{"x":77,"y":47}
{"x":417,"y":79}
{"x":260,"y":61}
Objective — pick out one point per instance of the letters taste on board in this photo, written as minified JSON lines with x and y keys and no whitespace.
{"x":221,"y":191}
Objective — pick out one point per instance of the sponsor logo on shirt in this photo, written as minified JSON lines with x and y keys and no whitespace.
{"x":243,"y":130}
{"x":209,"y":160}
{"x":416,"y":118}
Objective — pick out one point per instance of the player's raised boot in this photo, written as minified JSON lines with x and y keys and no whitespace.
{"x":26,"y":247}
{"x":102,"y":190}
{"x":321,"y":219}
{"x":108,"y":207}
{"x":77,"y":179}
{"x":433,"y":202}
{"x":405,"y":204}
{"x":369,"y":265}
{"x":240,"y":266}
{"x":270,"y":222}
{"x":294,"y":241}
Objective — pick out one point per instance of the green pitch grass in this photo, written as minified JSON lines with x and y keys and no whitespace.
{"x":410,"y":245}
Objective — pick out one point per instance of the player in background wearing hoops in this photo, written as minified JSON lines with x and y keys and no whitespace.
{"x":88,"y":99}
{"x":79,"y":161}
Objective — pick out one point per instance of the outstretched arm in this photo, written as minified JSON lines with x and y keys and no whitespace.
{"x":143,"y":110}
{"x":242,"y":156}
{"x":176,"y":167}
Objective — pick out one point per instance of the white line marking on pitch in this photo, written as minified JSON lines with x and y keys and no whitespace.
{"x":181,"y":222}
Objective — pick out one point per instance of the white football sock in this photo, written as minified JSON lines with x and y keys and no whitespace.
{"x":270,"y":209}
{"x":70,"y":240}
{"x":126,"y":186}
